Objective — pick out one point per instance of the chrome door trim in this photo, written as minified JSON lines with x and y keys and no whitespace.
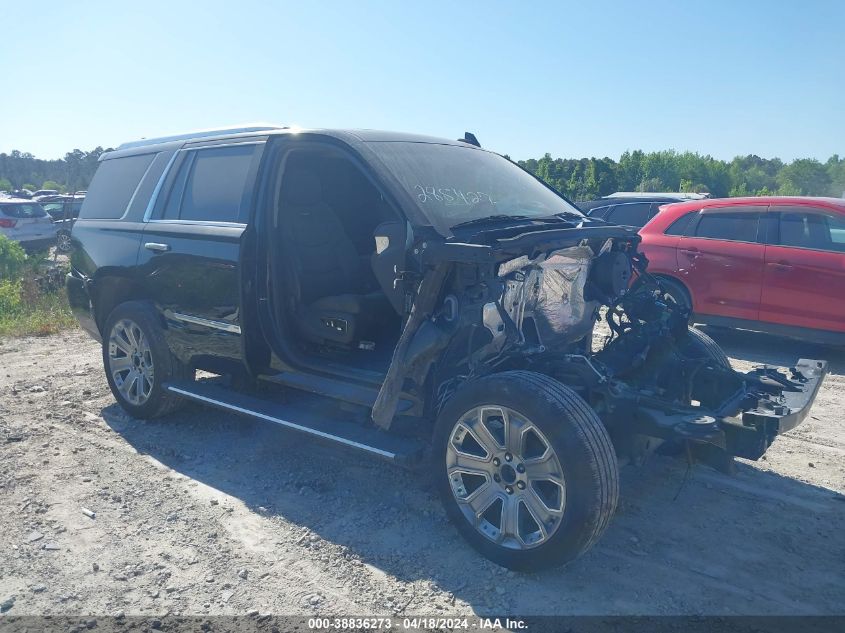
{"x":291,"y":425}
{"x":195,"y":320}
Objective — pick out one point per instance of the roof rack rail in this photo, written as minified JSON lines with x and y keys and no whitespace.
{"x":243,"y":129}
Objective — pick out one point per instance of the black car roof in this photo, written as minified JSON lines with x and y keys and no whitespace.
{"x":606,"y":202}
{"x":366,"y":136}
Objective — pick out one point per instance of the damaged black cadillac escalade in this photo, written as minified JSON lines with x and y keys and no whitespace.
{"x":422,"y":300}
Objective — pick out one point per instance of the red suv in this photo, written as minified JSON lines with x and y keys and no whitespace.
{"x":775,"y":264}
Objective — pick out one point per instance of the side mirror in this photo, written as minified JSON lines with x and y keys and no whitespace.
{"x":391,"y":239}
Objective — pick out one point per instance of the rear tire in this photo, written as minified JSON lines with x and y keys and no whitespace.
{"x":544,"y":457}
{"x":63,"y":243}
{"x":138,"y":361}
{"x":698,"y":345}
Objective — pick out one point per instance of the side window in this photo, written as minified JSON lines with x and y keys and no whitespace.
{"x":679,"y":226}
{"x":633,"y":214}
{"x":113,"y":185}
{"x":210,"y":185}
{"x":54,"y":208}
{"x":733,"y":226}
{"x":816,"y":230}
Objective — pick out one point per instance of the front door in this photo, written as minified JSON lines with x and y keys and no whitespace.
{"x":804,"y":278}
{"x":721,"y":261}
{"x":190,"y":250}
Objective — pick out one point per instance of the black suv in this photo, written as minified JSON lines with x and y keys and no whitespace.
{"x":632,"y":209}
{"x":421,"y":300}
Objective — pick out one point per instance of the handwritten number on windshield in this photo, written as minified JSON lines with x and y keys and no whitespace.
{"x":449,"y":196}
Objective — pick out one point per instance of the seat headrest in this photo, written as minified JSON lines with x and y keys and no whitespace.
{"x":301,"y":187}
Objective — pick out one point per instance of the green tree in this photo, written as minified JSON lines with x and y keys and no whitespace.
{"x":651,"y":184}
{"x":836,"y":172}
{"x":806,"y":176}
{"x":52,"y":184}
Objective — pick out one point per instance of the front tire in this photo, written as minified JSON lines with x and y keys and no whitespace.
{"x":138,"y":361}
{"x":525,"y":470}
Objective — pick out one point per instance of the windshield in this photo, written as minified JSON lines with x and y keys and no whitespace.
{"x":453,"y":185}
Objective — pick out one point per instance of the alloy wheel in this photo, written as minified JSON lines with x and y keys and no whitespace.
{"x":63,"y":242}
{"x":505,"y":476}
{"x":131,"y":362}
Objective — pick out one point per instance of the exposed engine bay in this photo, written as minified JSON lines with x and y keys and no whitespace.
{"x":652,"y":380}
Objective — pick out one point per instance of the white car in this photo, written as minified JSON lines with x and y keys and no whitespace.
{"x":26,"y":222}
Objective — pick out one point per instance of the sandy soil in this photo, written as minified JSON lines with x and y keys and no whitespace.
{"x":206,"y":513}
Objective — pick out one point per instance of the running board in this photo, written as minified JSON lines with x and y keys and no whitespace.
{"x":332,"y":388}
{"x":400,"y":450}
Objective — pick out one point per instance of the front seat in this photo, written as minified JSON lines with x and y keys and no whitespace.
{"x":333,"y":304}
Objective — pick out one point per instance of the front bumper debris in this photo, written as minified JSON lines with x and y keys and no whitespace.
{"x":767,"y":401}
{"x":750,"y":434}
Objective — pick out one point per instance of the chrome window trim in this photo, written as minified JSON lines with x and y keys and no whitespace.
{"x":220,"y":223}
{"x":217,"y":325}
{"x":154,"y":197}
{"x":138,"y":186}
{"x":194,"y":148}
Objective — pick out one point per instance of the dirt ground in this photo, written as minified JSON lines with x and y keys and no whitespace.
{"x":207,"y":513}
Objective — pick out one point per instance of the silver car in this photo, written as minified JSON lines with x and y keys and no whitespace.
{"x":26,"y":222}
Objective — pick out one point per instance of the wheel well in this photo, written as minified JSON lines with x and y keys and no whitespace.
{"x":677,"y":282}
{"x":110,"y":293}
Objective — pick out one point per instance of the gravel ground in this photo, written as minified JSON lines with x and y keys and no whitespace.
{"x":206,"y":513}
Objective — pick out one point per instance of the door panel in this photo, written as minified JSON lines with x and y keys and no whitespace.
{"x":189,"y":257}
{"x":191,"y":272}
{"x":722,"y":264}
{"x":804,"y":276}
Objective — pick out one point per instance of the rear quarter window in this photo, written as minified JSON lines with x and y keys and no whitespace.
{"x":113,"y":186}
{"x":598,"y":212}
{"x":679,"y":226}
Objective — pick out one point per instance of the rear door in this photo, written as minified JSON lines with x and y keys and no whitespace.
{"x":804,"y":275}
{"x":721,"y":261}
{"x":189,"y":255}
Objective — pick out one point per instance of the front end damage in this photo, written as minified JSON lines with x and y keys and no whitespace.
{"x":535,"y":301}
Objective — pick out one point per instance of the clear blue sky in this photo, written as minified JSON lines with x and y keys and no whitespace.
{"x":573,"y":79}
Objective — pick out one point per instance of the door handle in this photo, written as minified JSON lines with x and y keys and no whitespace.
{"x":157,"y":247}
{"x":692,"y":253}
{"x":782,"y":265}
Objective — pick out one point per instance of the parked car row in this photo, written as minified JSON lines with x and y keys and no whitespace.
{"x":38,"y":224}
{"x":36,"y":195}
